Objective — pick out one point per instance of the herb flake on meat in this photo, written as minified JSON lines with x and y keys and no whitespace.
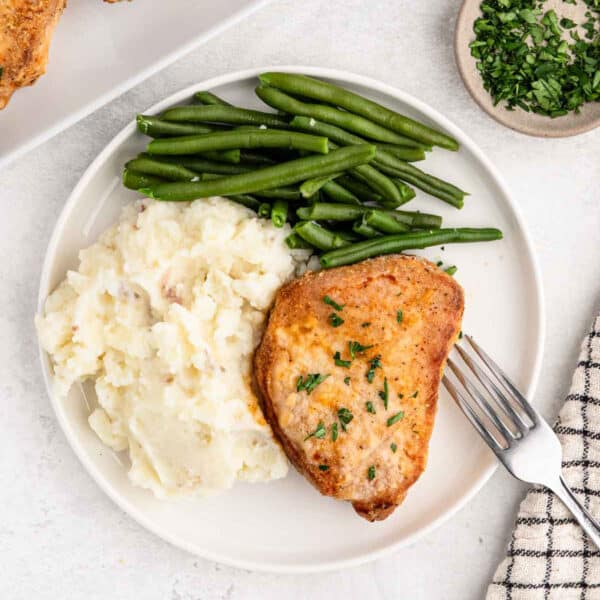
{"x":310,"y":383}
{"x":318,"y":433}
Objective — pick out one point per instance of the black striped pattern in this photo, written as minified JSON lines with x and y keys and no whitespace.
{"x":549,"y":557}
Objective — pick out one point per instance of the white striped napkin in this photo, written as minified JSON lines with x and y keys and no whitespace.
{"x":549,"y":557}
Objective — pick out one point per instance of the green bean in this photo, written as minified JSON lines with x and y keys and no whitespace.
{"x":279,"y":175}
{"x":210,"y":98}
{"x":405,"y":169}
{"x":383,"y":222}
{"x":247,"y":201}
{"x":279,"y":213}
{"x":326,"y":211}
{"x":381,"y":184}
{"x":200,"y":165}
{"x":226,"y":140}
{"x":216,"y":113}
{"x":307,"y":87}
{"x":318,"y":236}
{"x":416,"y":219}
{"x":425,"y":182}
{"x":391,"y":244}
{"x":135,"y":181}
{"x":149,"y":166}
{"x":281,"y":193}
{"x":430,"y":188}
{"x":156,"y":127}
{"x":277,"y":99}
{"x":359,"y":189}
{"x":349,"y":236}
{"x":264,"y":210}
{"x":339,"y":135}
{"x":225,"y":156}
{"x":406,"y":193}
{"x":402,"y":153}
{"x":254,"y":158}
{"x":311,"y":186}
{"x":384,"y":160}
{"x":365,"y":230}
{"x":295,"y":242}
{"x":210,"y":176}
{"x":338,"y":193}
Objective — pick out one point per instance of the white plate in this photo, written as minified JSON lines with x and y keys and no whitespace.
{"x":286,"y":525}
{"x":99,"y":51}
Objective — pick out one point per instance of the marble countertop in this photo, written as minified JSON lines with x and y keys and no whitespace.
{"x":60,"y":536}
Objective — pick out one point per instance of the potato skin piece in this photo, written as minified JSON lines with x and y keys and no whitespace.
{"x":299,"y":339}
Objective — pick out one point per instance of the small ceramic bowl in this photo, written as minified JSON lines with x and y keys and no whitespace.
{"x":519,"y":120}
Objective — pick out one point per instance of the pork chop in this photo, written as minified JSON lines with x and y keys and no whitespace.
{"x":26,"y":28}
{"x":348,"y":372}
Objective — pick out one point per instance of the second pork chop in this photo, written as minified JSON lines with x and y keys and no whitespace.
{"x":348,"y":372}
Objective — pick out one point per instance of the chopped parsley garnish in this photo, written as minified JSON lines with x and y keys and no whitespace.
{"x":393,"y":447}
{"x":415,"y":394}
{"x":451,"y":270}
{"x":323,"y":467}
{"x":395,"y":418}
{"x":347,"y":380}
{"x":334,"y":432}
{"x":345,"y":416}
{"x":333,"y":303}
{"x":318,"y":433}
{"x":366,"y":324}
{"x":370,"y":407}
{"x":374,"y":363}
{"x":337,"y":357}
{"x":310,"y":383}
{"x":1,"y":71}
{"x":439,"y":263}
{"x":400,"y":395}
{"x":356,"y":347}
{"x":530,"y":58}
{"x":371,"y":473}
{"x":384,"y":395}
{"x":335,"y":320}
{"x":399,"y":316}
{"x":460,"y":335}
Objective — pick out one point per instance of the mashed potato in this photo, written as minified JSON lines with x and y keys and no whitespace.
{"x":164,"y":314}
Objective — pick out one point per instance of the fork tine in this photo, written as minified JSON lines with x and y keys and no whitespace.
{"x":482,"y":402}
{"x":506,"y":383}
{"x":471,"y":415}
{"x":492,"y":389}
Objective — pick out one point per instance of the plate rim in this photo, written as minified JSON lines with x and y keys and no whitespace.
{"x":460,"y":501}
{"x":117,"y":90}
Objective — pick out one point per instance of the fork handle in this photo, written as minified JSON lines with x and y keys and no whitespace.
{"x":581,"y":514}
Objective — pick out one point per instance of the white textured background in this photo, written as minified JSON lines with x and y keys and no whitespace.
{"x":60,"y":537}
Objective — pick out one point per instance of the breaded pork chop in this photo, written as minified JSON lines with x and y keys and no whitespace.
{"x":26,"y":28}
{"x":348,"y":373}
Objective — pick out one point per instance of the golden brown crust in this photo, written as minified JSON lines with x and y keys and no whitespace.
{"x":26,"y":28}
{"x":299,"y":340}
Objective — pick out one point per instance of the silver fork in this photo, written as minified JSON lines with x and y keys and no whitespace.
{"x":520,"y":438}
